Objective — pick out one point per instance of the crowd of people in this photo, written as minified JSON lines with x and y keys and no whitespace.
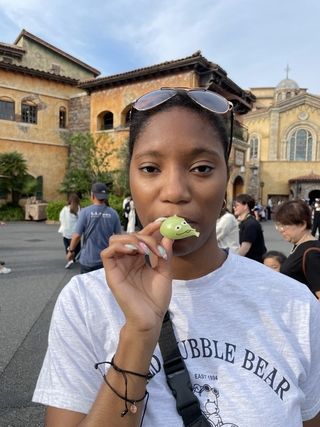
{"x":233,"y":341}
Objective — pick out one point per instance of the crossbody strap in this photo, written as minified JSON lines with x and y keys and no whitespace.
{"x":93,"y":226}
{"x":178,"y":379}
{"x":304,"y":259}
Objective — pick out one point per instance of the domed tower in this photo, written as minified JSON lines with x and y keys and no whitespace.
{"x":286,"y":89}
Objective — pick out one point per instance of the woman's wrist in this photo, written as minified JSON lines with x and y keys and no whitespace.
{"x":135,"y":348}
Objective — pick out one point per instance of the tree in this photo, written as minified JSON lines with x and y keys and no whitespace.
{"x":14,"y":177}
{"x":121,"y":175}
{"x":88,"y":162}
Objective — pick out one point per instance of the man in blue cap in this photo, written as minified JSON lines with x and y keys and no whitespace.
{"x":96,"y":223}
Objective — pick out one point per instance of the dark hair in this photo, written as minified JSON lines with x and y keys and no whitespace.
{"x":140,"y":119}
{"x":279,"y":256}
{"x":74,"y":202}
{"x":294,"y":212}
{"x":245,"y":199}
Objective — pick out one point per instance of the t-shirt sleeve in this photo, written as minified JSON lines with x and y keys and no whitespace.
{"x":117,"y":228}
{"x":250,"y":232}
{"x":311,"y":385}
{"x":68,"y":379}
{"x":81,"y":222}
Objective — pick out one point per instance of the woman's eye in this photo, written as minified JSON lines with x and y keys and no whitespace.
{"x":203,"y":169}
{"x":149,"y":169}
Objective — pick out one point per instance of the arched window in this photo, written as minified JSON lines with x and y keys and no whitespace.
{"x":107,"y":121}
{"x":254,"y":148}
{"x":7,"y":109}
{"x":62,"y":118}
{"x":300,"y":145}
{"x":29,"y":112}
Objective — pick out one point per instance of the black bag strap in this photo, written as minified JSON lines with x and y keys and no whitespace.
{"x":178,"y":379}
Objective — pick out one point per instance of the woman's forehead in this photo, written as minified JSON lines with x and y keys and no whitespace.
{"x":177,"y":123}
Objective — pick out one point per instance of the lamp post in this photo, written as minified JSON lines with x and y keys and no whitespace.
{"x":261,"y":191}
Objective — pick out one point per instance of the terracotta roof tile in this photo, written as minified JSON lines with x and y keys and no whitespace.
{"x":306,"y":178}
{"x":189,"y":60}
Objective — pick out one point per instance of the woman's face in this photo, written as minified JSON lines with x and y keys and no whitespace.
{"x":292,"y":233}
{"x":178,"y":168}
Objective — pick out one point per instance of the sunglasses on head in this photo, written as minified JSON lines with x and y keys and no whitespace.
{"x":205,"y":98}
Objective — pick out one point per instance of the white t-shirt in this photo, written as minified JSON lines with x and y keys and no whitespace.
{"x":250,"y":338}
{"x":68,"y":222}
{"x":227,"y":230}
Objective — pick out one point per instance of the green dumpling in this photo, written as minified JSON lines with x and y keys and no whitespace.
{"x":176,"y":228}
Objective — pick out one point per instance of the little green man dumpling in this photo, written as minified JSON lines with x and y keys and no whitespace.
{"x":177,"y":228}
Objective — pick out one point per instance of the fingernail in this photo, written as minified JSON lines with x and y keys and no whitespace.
{"x":162,"y":252}
{"x":160,"y":219}
{"x":145,"y":248}
{"x":131,"y":247}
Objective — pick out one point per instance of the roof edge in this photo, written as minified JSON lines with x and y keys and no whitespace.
{"x":37,"y":39}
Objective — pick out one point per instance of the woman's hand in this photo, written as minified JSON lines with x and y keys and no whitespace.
{"x":142,"y":291}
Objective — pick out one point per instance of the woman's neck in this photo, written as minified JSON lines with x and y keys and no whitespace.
{"x":306,"y":237}
{"x":198,"y":264}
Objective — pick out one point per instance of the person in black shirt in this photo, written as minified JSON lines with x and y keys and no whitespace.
{"x":251,"y":238}
{"x":293,"y":221}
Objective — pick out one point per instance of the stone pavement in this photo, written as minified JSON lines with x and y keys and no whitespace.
{"x":34,"y":251}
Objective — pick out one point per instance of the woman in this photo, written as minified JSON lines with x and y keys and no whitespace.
{"x":68,"y":217}
{"x":238,"y":330}
{"x":293,"y":219}
{"x":227,"y":230}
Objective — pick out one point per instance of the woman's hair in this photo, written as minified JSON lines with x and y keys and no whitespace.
{"x":294,"y":212}
{"x":245,"y":199}
{"x":73,"y":201}
{"x":279,"y":256}
{"x":140,"y":119}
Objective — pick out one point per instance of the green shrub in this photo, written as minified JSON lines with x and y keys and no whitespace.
{"x":11,"y":212}
{"x":54,"y":208}
{"x":116,"y":203}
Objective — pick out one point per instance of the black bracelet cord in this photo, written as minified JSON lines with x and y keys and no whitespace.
{"x":133,"y":407}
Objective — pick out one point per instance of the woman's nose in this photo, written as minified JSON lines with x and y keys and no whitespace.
{"x":176,"y":187}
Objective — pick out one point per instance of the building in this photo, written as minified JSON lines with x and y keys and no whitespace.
{"x":46,"y":93}
{"x":39,"y":102}
{"x":283,"y":158}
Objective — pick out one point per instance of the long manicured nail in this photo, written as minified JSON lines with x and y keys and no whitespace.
{"x":131,"y":247}
{"x":162,"y":252}
{"x":145,"y":248}
{"x":161,"y":219}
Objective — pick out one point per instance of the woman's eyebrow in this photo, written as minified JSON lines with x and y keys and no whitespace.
{"x":197,"y":151}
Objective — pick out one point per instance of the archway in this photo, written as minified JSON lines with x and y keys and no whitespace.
{"x":314,"y":194}
{"x":238,"y":186}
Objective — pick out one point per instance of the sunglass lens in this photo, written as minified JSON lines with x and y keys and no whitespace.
{"x":209,"y":100}
{"x":153,"y":99}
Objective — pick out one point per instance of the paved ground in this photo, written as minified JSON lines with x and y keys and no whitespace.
{"x":34,"y":251}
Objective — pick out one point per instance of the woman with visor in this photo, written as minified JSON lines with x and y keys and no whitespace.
{"x":249,"y":337}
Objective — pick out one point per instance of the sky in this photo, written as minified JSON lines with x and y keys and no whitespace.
{"x":252,"y":40}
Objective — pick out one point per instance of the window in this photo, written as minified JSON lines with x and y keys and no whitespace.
{"x":28,"y":113}
{"x":62,"y":118}
{"x":107,"y":122}
{"x":300,"y":145}
{"x":6,"y":110}
{"x":254,"y":148}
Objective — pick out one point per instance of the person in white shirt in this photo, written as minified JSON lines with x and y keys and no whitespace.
{"x":68,"y":218}
{"x":249,"y":336}
{"x":227,"y":230}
